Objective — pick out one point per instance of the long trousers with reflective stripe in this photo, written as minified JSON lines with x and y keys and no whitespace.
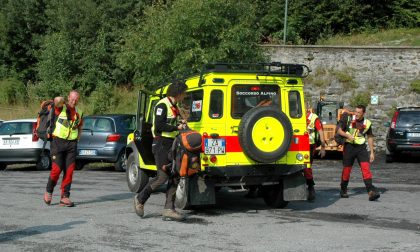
{"x":63,"y":156}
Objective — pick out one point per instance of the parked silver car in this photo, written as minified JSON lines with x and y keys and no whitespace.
{"x":19,"y":144}
{"x":104,"y":138}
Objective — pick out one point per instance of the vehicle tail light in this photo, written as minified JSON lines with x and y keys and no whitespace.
{"x":394,"y":120}
{"x":113,"y":138}
{"x":35,"y":137}
{"x":213,"y":159}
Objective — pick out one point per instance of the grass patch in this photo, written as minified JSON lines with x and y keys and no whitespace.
{"x":393,"y":37}
{"x":346,"y":79}
{"x":124,"y":100}
{"x":360,"y":99}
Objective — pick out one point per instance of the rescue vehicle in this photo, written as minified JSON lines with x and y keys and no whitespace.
{"x":253,"y":123}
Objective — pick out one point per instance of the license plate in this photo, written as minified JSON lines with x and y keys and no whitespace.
{"x":413,"y":134}
{"x":87,"y":152}
{"x":215,"y":146}
{"x":11,"y":141}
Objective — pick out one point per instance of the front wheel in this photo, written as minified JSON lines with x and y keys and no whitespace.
{"x":137,"y":178}
{"x":273,"y":196}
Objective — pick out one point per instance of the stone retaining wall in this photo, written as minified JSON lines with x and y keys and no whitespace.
{"x":343,"y":72}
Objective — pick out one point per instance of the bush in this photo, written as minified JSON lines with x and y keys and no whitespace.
{"x":360,"y":99}
{"x":12,"y":92}
{"x":415,"y":86}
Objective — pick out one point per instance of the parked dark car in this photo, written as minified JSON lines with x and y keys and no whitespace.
{"x":104,"y":138}
{"x":404,"y":132}
{"x":20,"y":144}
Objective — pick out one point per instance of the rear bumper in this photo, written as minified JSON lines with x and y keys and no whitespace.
{"x":19,"y":155}
{"x":403,"y":145}
{"x":276,"y":170}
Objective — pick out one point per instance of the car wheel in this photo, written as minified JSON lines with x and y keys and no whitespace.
{"x":44,"y":162}
{"x":182,"y":196}
{"x":273,"y":196}
{"x":265,"y":134}
{"x":121,"y":164}
{"x":137,"y":178}
{"x":389,"y":158}
{"x":80,"y":164}
{"x":2,"y":166}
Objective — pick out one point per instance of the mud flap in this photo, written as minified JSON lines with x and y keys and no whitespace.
{"x":294,"y":187}
{"x":201,"y":191}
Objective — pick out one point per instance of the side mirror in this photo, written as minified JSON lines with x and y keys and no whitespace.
{"x":387,"y":124}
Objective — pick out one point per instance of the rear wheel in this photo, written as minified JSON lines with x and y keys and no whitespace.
{"x":121,"y":164}
{"x":273,"y":196}
{"x":44,"y":162}
{"x":137,"y":178}
{"x":182,"y":196}
{"x":80,"y":164}
{"x":389,"y":159}
{"x":2,"y":166}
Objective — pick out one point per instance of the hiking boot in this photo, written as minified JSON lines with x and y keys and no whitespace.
{"x":373,"y":195}
{"x":311,"y":193}
{"x":343,"y":193}
{"x":138,"y":207}
{"x":47,"y":198}
{"x":170,"y":214}
{"x":65,"y":201}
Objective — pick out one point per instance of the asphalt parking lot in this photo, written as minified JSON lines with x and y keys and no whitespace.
{"x":104,"y":219}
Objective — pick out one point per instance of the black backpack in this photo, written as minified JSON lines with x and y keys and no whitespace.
{"x":340,"y":140}
{"x":46,"y":121}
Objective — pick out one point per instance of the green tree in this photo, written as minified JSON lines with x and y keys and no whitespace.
{"x":182,"y":35}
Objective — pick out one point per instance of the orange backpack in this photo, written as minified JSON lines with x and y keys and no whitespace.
{"x":186,"y":153}
{"x":45,"y":123}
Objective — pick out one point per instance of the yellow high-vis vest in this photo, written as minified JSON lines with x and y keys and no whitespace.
{"x":66,"y":129}
{"x":171,"y":119}
{"x":311,"y":128}
{"x":359,"y":137}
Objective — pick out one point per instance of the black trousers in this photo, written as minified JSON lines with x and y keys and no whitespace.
{"x":161,"y":148}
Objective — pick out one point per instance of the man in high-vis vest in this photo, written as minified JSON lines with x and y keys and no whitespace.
{"x":355,"y":129}
{"x":315,"y":130}
{"x":63,"y":146}
{"x":166,"y":124}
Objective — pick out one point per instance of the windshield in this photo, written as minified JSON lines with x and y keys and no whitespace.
{"x":246,"y":97}
{"x":328,"y":113}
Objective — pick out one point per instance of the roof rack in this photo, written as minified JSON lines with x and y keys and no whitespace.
{"x":261,"y":69}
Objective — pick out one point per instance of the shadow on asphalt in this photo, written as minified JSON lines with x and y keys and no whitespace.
{"x":105,"y":198}
{"x":30,"y":231}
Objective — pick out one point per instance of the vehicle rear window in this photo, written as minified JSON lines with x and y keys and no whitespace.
{"x":246,"y":97}
{"x":408,"y":118}
{"x":103,"y":125}
{"x":16,"y":128}
{"x":295,"y":108}
{"x":216,"y":104}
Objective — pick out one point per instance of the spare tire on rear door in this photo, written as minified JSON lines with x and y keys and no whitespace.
{"x":265,"y":134}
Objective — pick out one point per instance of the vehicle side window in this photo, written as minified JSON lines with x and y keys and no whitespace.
{"x":295,"y":108}
{"x":216,"y":104}
{"x":127,"y":123}
{"x":193,"y":104}
{"x":152,"y":108}
{"x":103,"y":125}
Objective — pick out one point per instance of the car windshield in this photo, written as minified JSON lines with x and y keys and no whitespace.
{"x":246,"y":97}
{"x":328,"y":113}
{"x":408,"y":118}
{"x":16,"y":128}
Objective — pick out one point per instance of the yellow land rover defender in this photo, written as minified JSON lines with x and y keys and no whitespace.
{"x":252,"y":121}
